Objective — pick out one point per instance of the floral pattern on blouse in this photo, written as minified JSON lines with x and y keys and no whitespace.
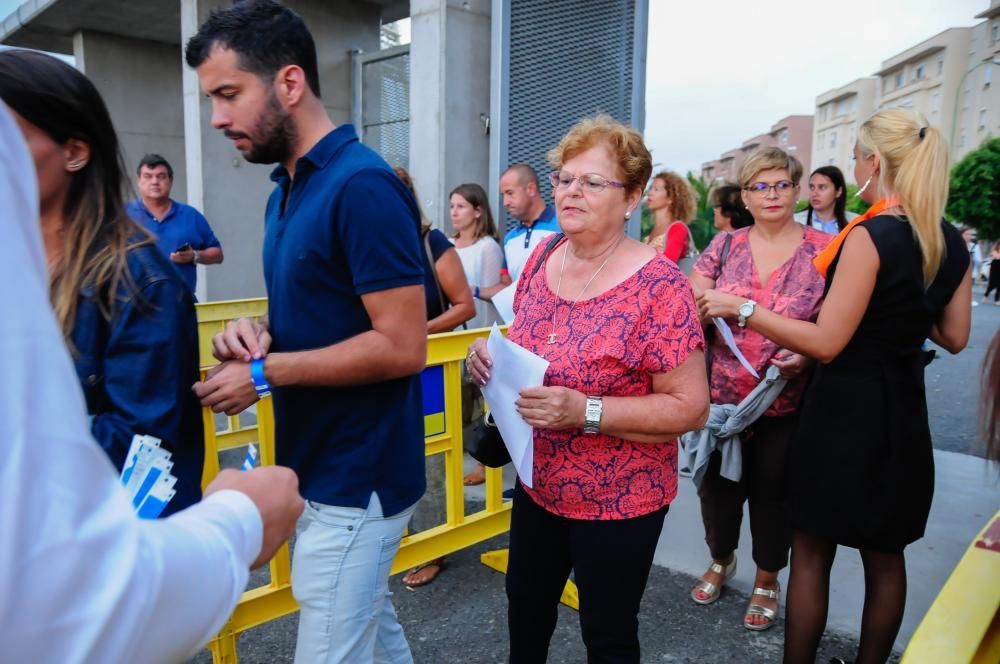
{"x":608,"y":345}
{"x":794,"y":289}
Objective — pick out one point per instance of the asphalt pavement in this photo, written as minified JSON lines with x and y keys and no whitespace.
{"x":461,"y":616}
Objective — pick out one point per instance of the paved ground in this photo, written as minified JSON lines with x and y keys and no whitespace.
{"x":461,"y":616}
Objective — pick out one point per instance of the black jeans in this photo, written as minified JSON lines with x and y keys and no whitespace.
{"x":610,"y":561}
{"x":762,"y":484}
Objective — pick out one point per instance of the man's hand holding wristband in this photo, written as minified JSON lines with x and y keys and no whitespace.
{"x":259,"y":381}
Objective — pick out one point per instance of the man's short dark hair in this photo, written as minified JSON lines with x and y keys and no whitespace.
{"x":151,"y":161}
{"x":265,"y":35}
{"x":525,"y":173}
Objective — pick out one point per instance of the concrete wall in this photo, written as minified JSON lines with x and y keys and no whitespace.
{"x":449,"y":90}
{"x":233,"y":191}
{"x":141,"y":85}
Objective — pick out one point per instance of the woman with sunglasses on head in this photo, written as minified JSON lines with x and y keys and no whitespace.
{"x":127,"y":316}
{"x":626,"y":375}
{"x":862,"y":466}
{"x":827,"y":209}
{"x":768,"y":264}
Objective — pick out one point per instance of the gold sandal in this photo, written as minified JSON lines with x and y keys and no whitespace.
{"x":771,"y":615}
{"x":711,"y":589}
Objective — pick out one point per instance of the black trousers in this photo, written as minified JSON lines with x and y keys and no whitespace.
{"x":610,"y":561}
{"x":762,"y":484}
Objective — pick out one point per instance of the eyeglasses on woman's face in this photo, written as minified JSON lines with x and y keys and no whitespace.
{"x":589,"y":182}
{"x":781,"y":188}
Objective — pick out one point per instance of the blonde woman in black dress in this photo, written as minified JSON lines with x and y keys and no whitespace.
{"x":862,"y":466}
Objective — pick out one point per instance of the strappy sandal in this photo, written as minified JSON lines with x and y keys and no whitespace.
{"x":710,"y":589}
{"x":770,"y":615}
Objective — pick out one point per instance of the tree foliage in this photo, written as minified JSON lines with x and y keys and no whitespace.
{"x":974,"y":199}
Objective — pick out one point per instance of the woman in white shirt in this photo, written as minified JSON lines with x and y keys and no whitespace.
{"x":476,"y":241}
{"x":827,"y":209}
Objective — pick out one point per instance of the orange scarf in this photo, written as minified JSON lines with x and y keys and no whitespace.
{"x":825,"y":258}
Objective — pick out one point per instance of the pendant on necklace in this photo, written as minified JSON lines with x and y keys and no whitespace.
{"x":552,"y":338}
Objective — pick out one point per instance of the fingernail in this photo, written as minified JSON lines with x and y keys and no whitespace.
{"x":489,"y":363}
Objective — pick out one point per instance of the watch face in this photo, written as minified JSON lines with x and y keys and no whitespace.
{"x":746,"y":309}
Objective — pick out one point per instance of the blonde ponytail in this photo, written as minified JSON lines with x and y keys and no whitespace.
{"x":914,"y":162}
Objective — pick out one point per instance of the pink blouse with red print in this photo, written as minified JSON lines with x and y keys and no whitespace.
{"x":795,"y":290}
{"x":609,"y":345}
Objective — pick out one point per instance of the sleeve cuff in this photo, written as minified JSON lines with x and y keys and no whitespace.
{"x":248,"y":520}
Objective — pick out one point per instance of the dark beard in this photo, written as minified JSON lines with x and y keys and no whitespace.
{"x":277,"y":132}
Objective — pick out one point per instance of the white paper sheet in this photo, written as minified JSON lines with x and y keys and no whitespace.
{"x":727,"y":336}
{"x":514,"y":368}
{"x":504,"y":303}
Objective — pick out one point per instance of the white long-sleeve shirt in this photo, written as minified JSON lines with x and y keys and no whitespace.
{"x":82,"y":579}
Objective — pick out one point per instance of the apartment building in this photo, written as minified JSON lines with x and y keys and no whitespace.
{"x":793,"y":134}
{"x":948,"y":78}
{"x":838,"y":113}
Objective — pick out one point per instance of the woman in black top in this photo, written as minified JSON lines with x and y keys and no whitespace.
{"x":862,"y":468}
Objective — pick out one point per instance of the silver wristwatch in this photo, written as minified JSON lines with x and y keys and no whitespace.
{"x":745,"y":311}
{"x":592,"y":416}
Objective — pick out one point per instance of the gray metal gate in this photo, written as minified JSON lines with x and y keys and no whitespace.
{"x":555,"y":62}
{"x":380,"y":107}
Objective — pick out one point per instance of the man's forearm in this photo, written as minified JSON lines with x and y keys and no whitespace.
{"x":210,"y":256}
{"x":369,"y":357}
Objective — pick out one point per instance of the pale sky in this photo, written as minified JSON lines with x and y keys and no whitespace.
{"x":722,"y":71}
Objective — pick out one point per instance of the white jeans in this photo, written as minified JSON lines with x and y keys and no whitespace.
{"x":340,"y":578}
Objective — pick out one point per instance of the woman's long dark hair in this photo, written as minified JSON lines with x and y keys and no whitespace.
{"x":840,"y":203}
{"x":64,"y":104}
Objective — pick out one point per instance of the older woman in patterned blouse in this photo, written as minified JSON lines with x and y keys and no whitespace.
{"x":618,"y":324}
{"x":771,"y":264}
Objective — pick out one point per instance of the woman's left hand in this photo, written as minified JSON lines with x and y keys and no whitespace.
{"x":792,"y":365}
{"x":714,"y":303}
{"x":553,"y":408}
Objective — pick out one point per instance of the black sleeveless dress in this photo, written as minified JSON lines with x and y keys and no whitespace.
{"x":861,"y":471}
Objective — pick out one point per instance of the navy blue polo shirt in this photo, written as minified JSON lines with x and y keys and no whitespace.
{"x":349,"y":227}
{"x":181,"y":225}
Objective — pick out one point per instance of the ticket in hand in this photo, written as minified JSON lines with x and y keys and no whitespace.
{"x":146,"y":476}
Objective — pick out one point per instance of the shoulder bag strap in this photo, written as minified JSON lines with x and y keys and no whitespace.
{"x":437,"y":282}
{"x":553,"y":241}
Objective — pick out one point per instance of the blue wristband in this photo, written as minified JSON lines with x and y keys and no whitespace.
{"x":259,"y":381}
{"x":475,"y":294}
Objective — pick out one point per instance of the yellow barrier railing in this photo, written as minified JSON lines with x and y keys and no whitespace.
{"x":459,"y":530}
{"x":963,"y":624}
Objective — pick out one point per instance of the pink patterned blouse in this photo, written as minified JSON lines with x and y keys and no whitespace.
{"x":795,"y":290}
{"x":609,"y":345}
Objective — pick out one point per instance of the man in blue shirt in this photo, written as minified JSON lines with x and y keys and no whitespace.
{"x":523,"y":201}
{"x":346,"y":332}
{"x":182,"y":233}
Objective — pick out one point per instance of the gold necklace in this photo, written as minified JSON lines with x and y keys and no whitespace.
{"x":555,"y":308}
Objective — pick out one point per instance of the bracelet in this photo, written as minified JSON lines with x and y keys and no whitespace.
{"x":259,"y":381}
{"x":475,"y":293}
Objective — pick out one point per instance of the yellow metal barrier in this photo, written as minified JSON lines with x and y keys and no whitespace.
{"x":963,"y":624}
{"x":459,"y":531}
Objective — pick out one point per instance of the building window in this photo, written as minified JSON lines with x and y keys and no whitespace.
{"x":987,"y":75}
{"x":830,"y":161}
{"x":783,"y":137}
{"x":940,"y":65}
{"x":900,"y":79}
{"x":982,"y":119}
{"x":833,"y":139}
{"x":961,"y":139}
{"x":821,"y":139}
{"x":919,"y":73}
{"x":841,"y":107}
{"x":936,"y":102}
{"x":995,"y":33}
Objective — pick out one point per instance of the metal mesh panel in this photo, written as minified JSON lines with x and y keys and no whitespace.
{"x":385,"y":108}
{"x":568,"y":59}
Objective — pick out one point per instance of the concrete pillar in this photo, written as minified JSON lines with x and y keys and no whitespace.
{"x":449,"y":97}
{"x":140,"y":82}
{"x":233,"y":192}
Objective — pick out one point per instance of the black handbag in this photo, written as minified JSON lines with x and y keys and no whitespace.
{"x":485,"y":443}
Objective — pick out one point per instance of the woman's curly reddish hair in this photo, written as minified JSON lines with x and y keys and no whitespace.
{"x":624,"y":143}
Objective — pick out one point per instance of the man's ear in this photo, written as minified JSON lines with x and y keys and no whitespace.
{"x":291,"y":85}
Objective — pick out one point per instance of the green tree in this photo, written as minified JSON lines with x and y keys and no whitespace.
{"x":975,"y":190}
{"x":703,"y":224}
{"x":855,"y":203}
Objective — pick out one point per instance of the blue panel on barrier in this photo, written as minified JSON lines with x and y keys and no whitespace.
{"x":432,"y":383}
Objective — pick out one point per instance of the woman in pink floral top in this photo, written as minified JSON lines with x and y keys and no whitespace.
{"x":771,"y":264}
{"x":618,"y":324}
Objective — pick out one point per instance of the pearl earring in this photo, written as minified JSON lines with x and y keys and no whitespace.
{"x":628,"y":214}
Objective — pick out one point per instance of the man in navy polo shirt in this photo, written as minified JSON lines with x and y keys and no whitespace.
{"x":182,"y":233}
{"x":345,"y":337}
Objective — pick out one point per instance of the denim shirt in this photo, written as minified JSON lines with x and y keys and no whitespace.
{"x":137,"y":369}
